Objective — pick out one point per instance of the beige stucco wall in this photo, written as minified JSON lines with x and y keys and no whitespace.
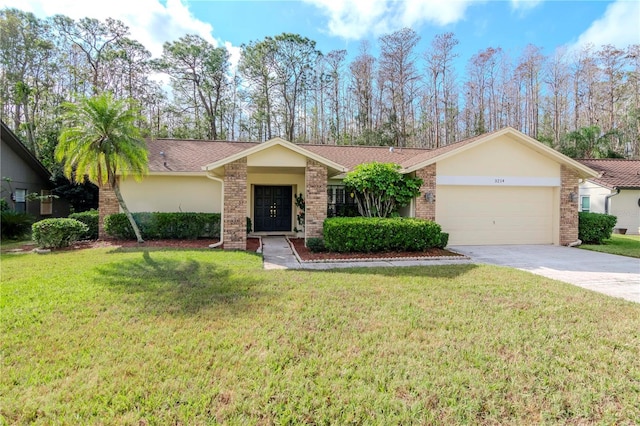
{"x":625,"y":207}
{"x":172,"y":194}
{"x":500,"y":157}
{"x":276,"y":156}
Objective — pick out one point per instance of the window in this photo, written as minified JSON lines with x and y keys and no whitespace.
{"x":46,"y":202}
{"x":585,"y":203}
{"x":20,"y":200}
{"x":340,"y":203}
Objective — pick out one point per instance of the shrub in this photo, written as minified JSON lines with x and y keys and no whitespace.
{"x":89,"y":218}
{"x":249,"y":225}
{"x":368,"y":235}
{"x":57,"y":233}
{"x":594,"y":228}
{"x":164,"y":225}
{"x":14,"y":224}
{"x":316,"y":245}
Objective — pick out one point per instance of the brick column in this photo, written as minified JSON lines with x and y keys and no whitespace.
{"x":107,"y":204}
{"x":235,"y":205}
{"x":315,"y":199}
{"x":425,"y":209}
{"x":568,"y":209}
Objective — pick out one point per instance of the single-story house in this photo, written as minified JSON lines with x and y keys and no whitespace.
{"x":23,"y":175}
{"x":615,"y":191}
{"x":498,"y":188}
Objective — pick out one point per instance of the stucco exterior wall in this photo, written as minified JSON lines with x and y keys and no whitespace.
{"x":276,"y":156}
{"x":499,"y":157}
{"x":596,"y":194}
{"x":625,"y":207}
{"x":172,"y":194}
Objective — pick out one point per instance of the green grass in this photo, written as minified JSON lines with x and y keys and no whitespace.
{"x":624,"y":245}
{"x":207,"y":337}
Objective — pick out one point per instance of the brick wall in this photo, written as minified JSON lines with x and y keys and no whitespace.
{"x":315,"y":199}
{"x":425,"y":209}
{"x":107,"y":204}
{"x":235,"y":205}
{"x":568,"y":209}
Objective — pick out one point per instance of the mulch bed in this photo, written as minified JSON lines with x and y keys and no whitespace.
{"x":307,"y":256}
{"x":252,"y":244}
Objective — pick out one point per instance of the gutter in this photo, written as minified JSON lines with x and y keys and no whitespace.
{"x":606,"y":200}
{"x":219,"y":243}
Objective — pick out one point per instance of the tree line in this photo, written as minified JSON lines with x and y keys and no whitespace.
{"x":584,"y":103}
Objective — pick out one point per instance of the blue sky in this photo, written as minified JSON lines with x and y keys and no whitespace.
{"x":334,"y":24}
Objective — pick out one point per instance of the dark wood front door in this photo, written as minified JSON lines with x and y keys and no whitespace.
{"x":272,"y":208}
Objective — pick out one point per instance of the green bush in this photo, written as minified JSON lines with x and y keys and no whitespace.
{"x":316,"y":245}
{"x":57,"y":233}
{"x":369,"y":235}
{"x":249,"y":225}
{"x":89,"y":218}
{"x":594,"y":228}
{"x":14,"y":224}
{"x":182,"y":226}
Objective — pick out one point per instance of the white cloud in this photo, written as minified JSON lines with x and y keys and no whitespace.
{"x":524,"y":5}
{"x":150,"y":22}
{"x":355,"y":19}
{"x":619,"y":26}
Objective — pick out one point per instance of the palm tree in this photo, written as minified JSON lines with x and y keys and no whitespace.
{"x":99,"y":141}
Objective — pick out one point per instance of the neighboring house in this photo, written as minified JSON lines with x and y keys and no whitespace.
{"x":499,"y":188}
{"x":23,"y":176}
{"x":615,"y":191}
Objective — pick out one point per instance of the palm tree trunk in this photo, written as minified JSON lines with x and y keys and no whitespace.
{"x":125,"y":209}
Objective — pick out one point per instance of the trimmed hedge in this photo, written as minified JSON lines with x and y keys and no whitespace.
{"x":57,"y":233}
{"x":594,"y":228}
{"x":372,"y":234}
{"x":156,"y":226}
{"x":89,"y":218}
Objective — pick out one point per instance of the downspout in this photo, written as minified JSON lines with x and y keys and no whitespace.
{"x":606,"y":200}
{"x":217,"y":179}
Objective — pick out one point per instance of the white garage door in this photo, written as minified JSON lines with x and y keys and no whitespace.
{"x":482,"y":215}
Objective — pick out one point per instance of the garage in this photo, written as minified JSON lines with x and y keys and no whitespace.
{"x":489,"y":215}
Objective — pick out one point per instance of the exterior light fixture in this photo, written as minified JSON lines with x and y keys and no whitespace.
{"x":429,"y":196}
{"x":573,"y":197}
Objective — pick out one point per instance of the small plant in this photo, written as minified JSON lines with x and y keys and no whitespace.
{"x":300,"y":215}
{"x":249,"y":225}
{"x":15,"y":224}
{"x":57,"y":233}
{"x":316,"y":245}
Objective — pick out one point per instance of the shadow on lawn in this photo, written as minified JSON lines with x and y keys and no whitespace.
{"x":162,"y":285}
{"x":433,"y":271}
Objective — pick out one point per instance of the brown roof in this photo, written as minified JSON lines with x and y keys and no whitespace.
{"x":615,"y":173}
{"x":190,"y":155}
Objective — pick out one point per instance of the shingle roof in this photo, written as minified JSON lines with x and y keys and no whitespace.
{"x":615,"y":173}
{"x":190,"y":155}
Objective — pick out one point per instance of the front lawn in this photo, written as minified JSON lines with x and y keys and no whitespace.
{"x":624,"y":245}
{"x":133,"y":336}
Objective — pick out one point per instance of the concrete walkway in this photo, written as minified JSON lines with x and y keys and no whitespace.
{"x":617,"y":276}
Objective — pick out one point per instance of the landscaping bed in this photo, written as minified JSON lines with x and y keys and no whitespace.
{"x":307,"y":255}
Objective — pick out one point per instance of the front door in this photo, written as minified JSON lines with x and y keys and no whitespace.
{"x":272,"y":208}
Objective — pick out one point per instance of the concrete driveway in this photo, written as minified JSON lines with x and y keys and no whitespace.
{"x":617,"y":276}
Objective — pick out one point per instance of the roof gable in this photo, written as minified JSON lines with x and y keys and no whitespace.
{"x":337,"y":168}
{"x":18,"y":147}
{"x":459,"y":147}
